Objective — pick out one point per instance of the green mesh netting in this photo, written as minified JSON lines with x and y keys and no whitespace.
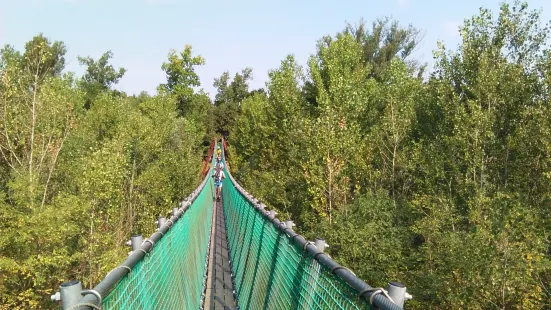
{"x":171,"y":276}
{"x":271,"y":271}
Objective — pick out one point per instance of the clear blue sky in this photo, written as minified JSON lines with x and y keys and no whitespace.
{"x":231,"y":35}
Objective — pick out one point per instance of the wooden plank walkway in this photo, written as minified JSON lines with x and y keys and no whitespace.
{"x":219,"y":291}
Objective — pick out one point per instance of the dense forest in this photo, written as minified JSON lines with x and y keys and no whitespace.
{"x":439,"y":178}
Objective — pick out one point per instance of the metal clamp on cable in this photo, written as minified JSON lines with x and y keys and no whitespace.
{"x":95,"y":306}
{"x":376,"y":291}
{"x":171,"y":223}
{"x":144,"y":252}
{"x":95,"y":293}
{"x":150,"y":241}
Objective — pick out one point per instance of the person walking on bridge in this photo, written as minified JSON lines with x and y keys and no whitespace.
{"x":219,"y":152}
{"x":218,"y":176}
{"x":219,"y":164}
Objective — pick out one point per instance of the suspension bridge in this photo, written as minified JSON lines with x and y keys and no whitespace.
{"x":228,"y":254}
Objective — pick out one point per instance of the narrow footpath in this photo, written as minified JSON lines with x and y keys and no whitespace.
{"x":219,"y":291}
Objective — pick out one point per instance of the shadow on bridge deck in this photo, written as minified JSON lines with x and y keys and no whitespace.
{"x":219,"y":290}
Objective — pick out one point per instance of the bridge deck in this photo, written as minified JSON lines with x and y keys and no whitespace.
{"x":219,"y":291}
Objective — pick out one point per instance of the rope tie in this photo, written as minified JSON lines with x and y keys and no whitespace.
{"x":121,"y":266}
{"x":374,"y":292}
{"x":341,"y":267}
{"x":171,"y":223}
{"x":306,"y":244}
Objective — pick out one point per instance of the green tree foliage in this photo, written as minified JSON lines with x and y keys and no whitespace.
{"x":43,"y":58}
{"x":484,"y":91}
{"x":99,"y":76}
{"x":229,"y":98}
{"x":181,"y":78}
{"x":335,"y":131}
{"x":270,"y":123}
{"x":386,"y":40}
{"x":181,"y":83}
{"x":75,"y":183}
{"x":35,"y":122}
{"x":442,"y":184}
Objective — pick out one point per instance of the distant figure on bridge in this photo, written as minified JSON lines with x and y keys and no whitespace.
{"x":219,"y":165}
{"x":218,"y":176}
{"x":219,"y":152}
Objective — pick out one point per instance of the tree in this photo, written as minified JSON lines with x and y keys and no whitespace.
{"x":35,"y":122}
{"x":236,"y":90}
{"x":81,"y":183}
{"x":43,"y":58}
{"x":100,"y":76}
{"x":470,"y":198}
{"x":269,"y":141}
{"x":229,"y":97}
{"x":432,"y":174}
{"x":181,"y":77}
{"x":386,"y":40}
{"x":334,"y":133}
{"x":39,"y":108}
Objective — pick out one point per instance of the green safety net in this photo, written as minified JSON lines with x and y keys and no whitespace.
{"x":271,"y":271}
{"x":171,"y":275}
